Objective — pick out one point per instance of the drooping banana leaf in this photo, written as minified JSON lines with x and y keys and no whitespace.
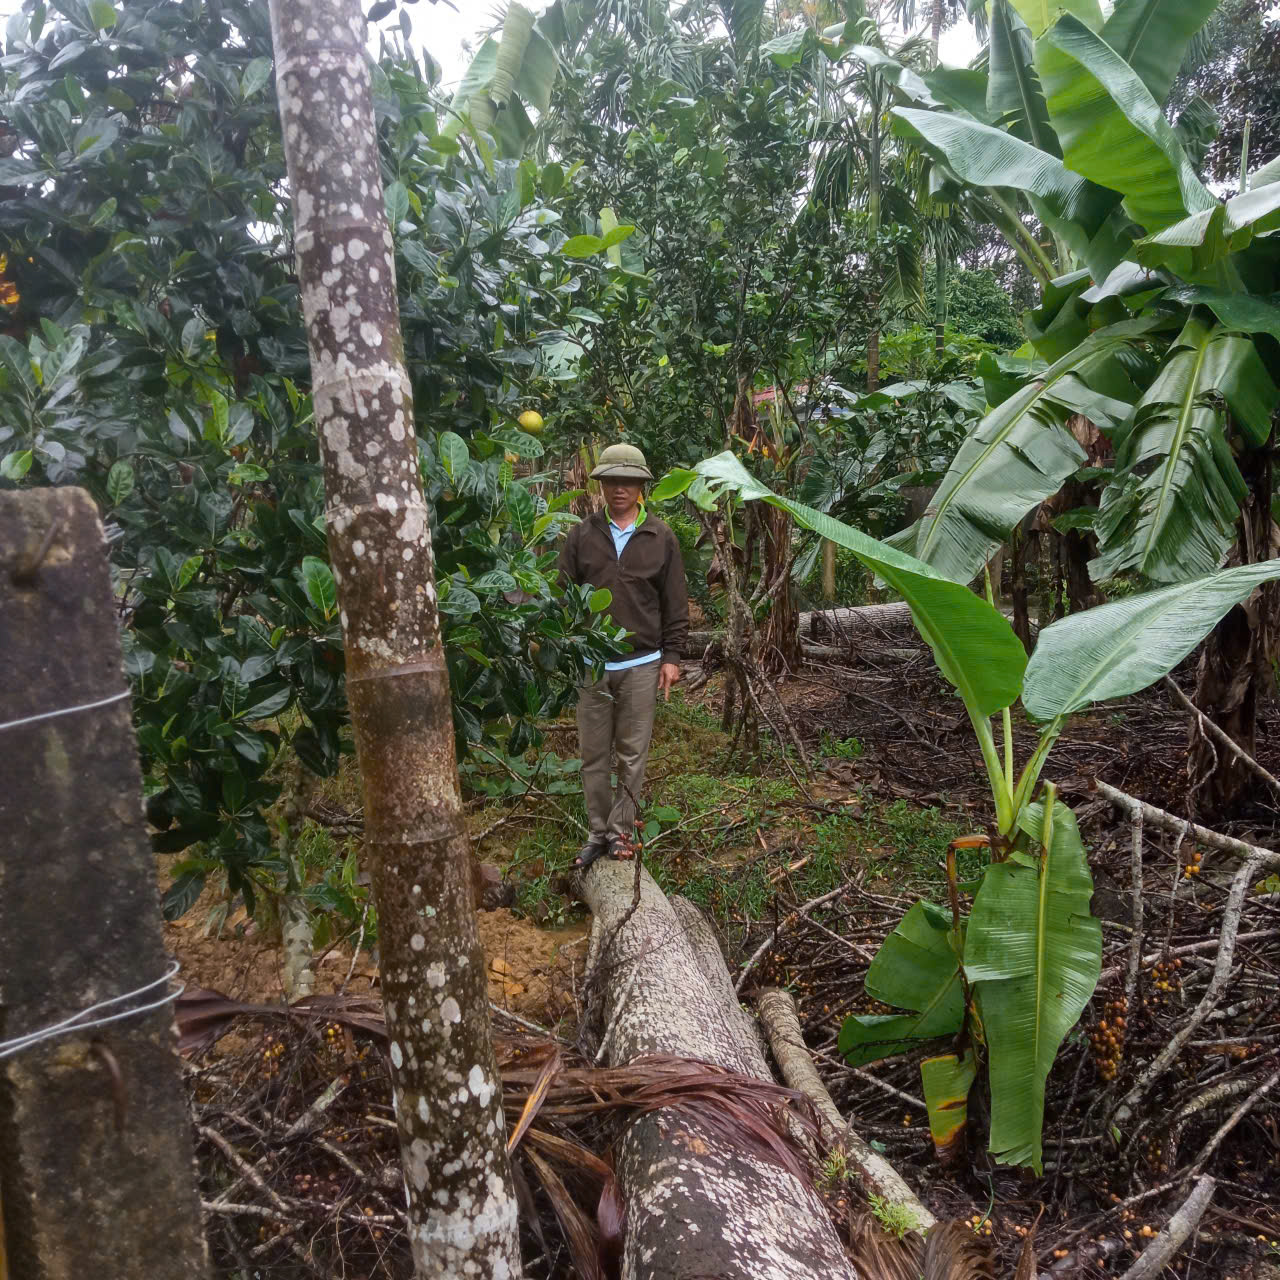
{"x":1267,"y":174}
{"x":946,"y":1081}
{"x":916,"y":968}
{"x":908,"y":84}
{"x":1122,"y":647}
{"x":1197,"y":126}
{"x":503,"y":81}
{"x":1015,"y":100}
{"x":1033,"y":954}
{"x":964,"y":88}
{"x":973,"y":644}
{"x":1152,"y":37}
{"x":985,"y":156}
{"x":1017,"y":456}
{"x":1061,"y":322}
{"x":1171,"y":509}
{"x":1193,"y":245}
{"x":1112,"y":130}
{"x":1239,"y":312}
{"x":1002,"y":376}
{"x":1074,"y":208}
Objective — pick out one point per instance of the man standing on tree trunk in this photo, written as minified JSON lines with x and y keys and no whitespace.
{"x":637,"y":557}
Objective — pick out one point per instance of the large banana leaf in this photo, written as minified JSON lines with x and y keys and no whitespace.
{"x":503,"y":81}
{"x":1040,"y":15}
{"x":1239,"y":312}
{"x":1121,"y":647}
{"x":1194,"y":245}
{"x":1171,"y":510}
{"x":972,"y":643}
{"x":1112,"y":130}
{"x":1015,"y":100}
{"x":984,"y":156}
{"x":1033,"y":955}
{"x":1152,"y":37}
{"x":916,"y":968}
{"x":1073,"y":208}
{"x":1016,"y":457}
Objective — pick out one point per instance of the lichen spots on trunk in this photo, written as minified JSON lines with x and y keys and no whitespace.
{"x":448,"y":1103}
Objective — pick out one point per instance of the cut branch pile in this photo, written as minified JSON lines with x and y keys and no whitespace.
{"x":299,"y":1160}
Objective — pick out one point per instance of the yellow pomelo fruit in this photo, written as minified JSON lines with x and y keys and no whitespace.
{"x":531,"y":421}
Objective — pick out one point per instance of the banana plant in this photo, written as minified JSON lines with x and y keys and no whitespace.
{"x":1006,"y":982}
{"x":1161,"y":306}
{"x":505,"y":80}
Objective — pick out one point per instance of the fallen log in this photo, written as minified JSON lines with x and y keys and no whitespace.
{"x":856,"y":622}
{"x":843,"y":626}
{"x":698,"y":1204}
{"x":878,"y":1176}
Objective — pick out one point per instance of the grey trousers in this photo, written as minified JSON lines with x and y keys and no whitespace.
{"x":616,"y":713}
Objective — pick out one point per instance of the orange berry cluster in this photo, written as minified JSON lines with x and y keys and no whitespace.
{"x":1165,"y":979}
{"x":271,"y":1055}
{"x":1107,"y":1038}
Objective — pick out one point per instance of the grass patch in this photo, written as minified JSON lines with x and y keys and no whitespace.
{"x":911,"y":839}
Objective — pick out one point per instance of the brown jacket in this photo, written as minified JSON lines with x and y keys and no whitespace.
{"x":647,"y":581}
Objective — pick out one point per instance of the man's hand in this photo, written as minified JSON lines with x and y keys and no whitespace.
{"x":667,"y":677}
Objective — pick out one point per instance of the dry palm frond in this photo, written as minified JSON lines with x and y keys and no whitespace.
{"x":882,"y":1255}
{"x":537,"y":1095}
{"x":954,"y":1252}
{"x":551,"y":1097}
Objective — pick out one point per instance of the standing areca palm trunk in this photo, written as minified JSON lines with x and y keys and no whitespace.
{"x":462,"y":1210}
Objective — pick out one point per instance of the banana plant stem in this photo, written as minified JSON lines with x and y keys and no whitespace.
{"x":1031,"y":774}
{"x":1000,"y":790}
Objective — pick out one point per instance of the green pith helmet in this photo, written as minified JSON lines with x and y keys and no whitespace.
{"x":621,"y":462}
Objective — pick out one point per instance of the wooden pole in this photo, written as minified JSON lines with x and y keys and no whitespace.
{"x":97,"y":1171}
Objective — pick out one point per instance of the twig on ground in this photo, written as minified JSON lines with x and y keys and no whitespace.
{"x":1234,"y":1119}
{"x":530,"y":789}
{"x":246,"y":1171}
{"x":1222,"y":737}
{"x":1166,"y":821}
{"x":1217,"y":983}
{"x":868,"y":1078}
{"x":1135,"y":942}
{"x":798,"y":914}
{"x":533,"y":1027}
{"x":355,"y":954}
{"x":1160,"y":1251}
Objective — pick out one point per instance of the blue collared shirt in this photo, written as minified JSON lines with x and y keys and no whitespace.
{"x":620,"y":539}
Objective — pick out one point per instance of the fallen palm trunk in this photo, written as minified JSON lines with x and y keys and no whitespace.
{"x":786,"y":1041}
{"x":841,"y":626}
{"x":855,"y":623}
{"x":698,"y":1204}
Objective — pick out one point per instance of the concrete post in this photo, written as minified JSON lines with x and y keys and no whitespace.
{"x":97,"y":1171}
